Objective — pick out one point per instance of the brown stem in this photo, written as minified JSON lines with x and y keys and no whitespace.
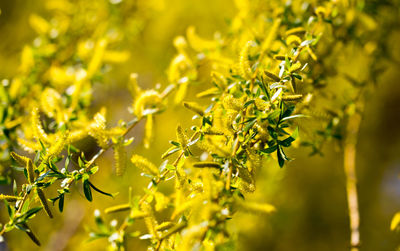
{"x":352,"y":130}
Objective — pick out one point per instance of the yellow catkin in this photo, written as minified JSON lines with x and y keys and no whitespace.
{"x":10,"y":198}
{"x":261,"y":104}
{"x":77,"y":135}
{"x":111,"y":56}
{"x":198,"y":43}
{"x":271,"y":35}
{"x":164,"y":226}
{"x":193,"y":106}
{"x":150,"y":220}
{"x":22,"y":160}
{"x":133,"y":85}
{"x":144,"y":164}
{"x":395,"y":223}
{"x":137,"y":214}
{"x":181,"y":136}
{"x":58,"y":146}
{"x":180,"y":44}
{"x":230,"y":102}
{"x":97,"y":130}
{"x":297,"y":30}
{"x":321,"y":11}
{"x":145,"y":99}
{"x":97,"y":58}
{"x":27,"y":60}
{"x":293,"y":97}
{"x":43,"y":201}
{"x":50,"y":102}
{"x":28,"y":145}
{"x":38,"y":130}
{"x":208,"y":93}
{"x":182,"y":90}
{"x":39,"y":24}
{"x":119,"y":158}
{"x":148,"y":132}
{"x":253,"y":207}
{"x":244,"y":63}
{"x":312,"y":54}
{"x":162,"y":201}
{"x":293,"y":39}
{"x":118,"y":208}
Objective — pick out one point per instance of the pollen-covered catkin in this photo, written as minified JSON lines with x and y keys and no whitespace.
{"x":144,"y":164}
{"x":120,"y":158}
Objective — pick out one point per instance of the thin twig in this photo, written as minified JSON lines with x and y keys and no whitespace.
{"x":352,"y":130}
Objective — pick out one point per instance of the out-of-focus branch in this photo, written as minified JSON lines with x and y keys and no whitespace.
{"x":352,"y":131}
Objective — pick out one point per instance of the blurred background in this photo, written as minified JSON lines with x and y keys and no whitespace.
{"x":309,"y":193}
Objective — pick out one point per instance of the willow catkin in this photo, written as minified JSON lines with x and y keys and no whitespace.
{"x":145,"y":99}
{"x":181,"y":136}
{"x":119,"y":158}
{"x":133,"y":85}
{"x":97,"y":58}
{"x":59,"y":145}
{"x":297,"y":30}
{"x":10,"y":198}
{"x":253,"y":207}
{"x":293,"y":97}
{"x":244,"y":63}
{"x":271,"y":35}
{"x":22,"y":160}
{"x":165,"y":225}
{"x":150,"y":220}
{"x":144,"y":164}
{"x":148,"y":132}
{"x":118,"y":208}
{"x":97,"y":130}
{"x":293,"y":39}
{"x":38,"y":130}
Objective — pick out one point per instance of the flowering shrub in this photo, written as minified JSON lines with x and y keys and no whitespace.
{"x":278,"y":67}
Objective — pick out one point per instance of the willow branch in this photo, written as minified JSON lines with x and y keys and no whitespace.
{"x":352,"y":131}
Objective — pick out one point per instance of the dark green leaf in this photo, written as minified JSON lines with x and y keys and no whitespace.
{"x":61,"y":202}
{"x":270,"y":149}
{"x":87,"y":190}
{"x":98,"y":190}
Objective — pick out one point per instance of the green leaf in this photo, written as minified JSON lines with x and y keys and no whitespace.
{"x":269,"y":149}
{"x":61,"y":202}
{"x":32,"y":212}
{"x":87,"y":190}
{"x":175,"y":143}
{"x":98,"y":190}
{"x":250,"y":124}
{"x":288,"y":141}
{"x":281,"y":156}
{"x":81,"y":163}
